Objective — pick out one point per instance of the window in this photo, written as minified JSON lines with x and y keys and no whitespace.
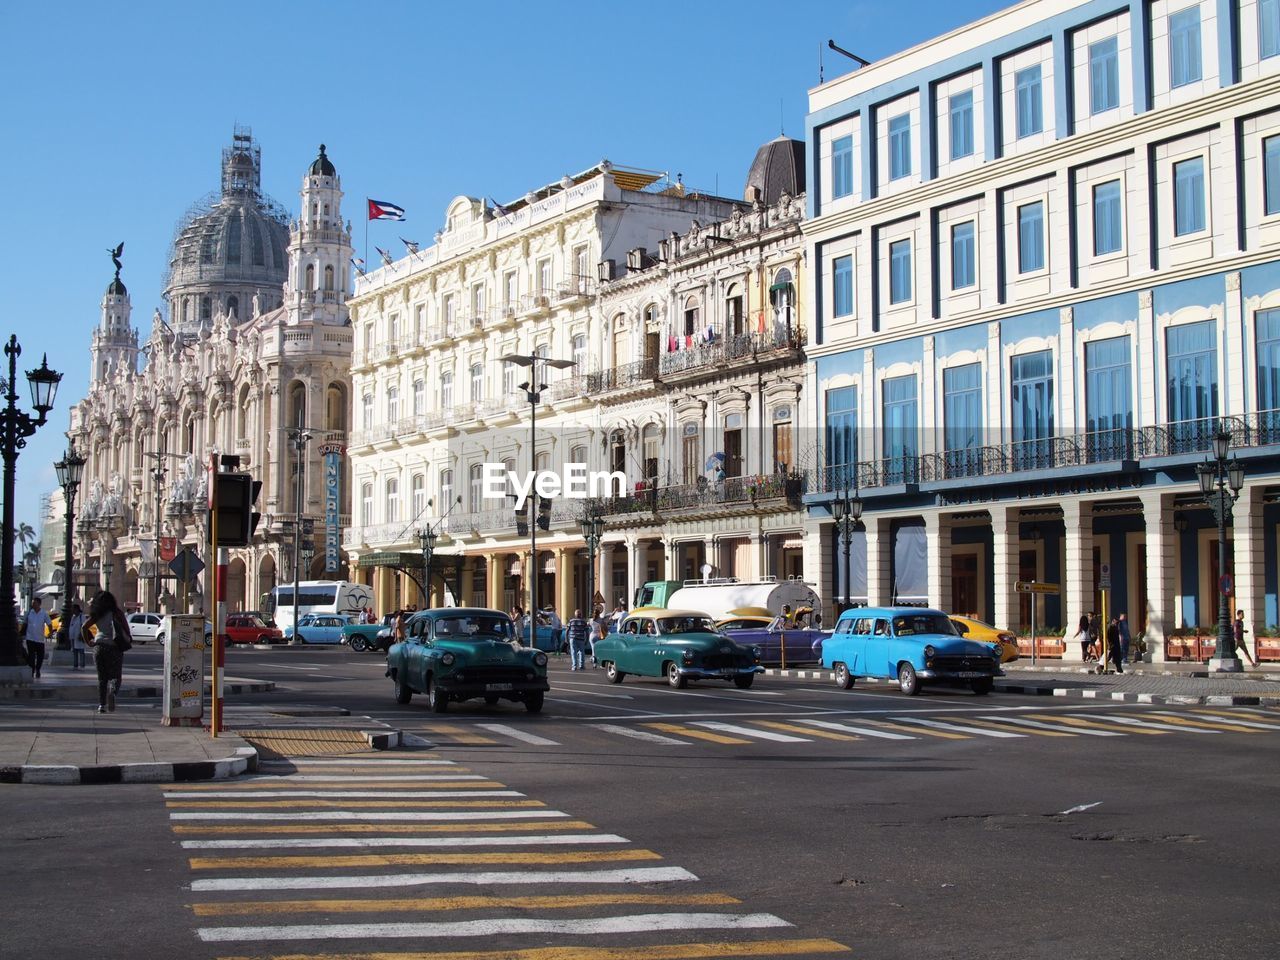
{"x":366,"y":411}
{"x":446,"y":391}
{"x":477,"y":383}
{"x":963,"y":271}
{"x":841,"y":436}
{"x":900,"y":428}
{"x":1031,"y":237}
{"x":842,"y":286}
{"x":476,"y":492}
{"x":841,"y":167}
{"x":544,"y":276}
{"x":900,"y":271}
{"x":1108,"y":399}
{"x":418,"y":486}
{"x":1268,"y":28}
{"x":477,"y":300}
{"x":1192,"y":384}
{"x":508,"y":379}
{"x":393,"y":328}
{"x":1032,"y":409}
{"x":1104,"y":76}
{"x":450,"y":315}
{"x":962,"y":418}
{"x":1184,"y":46}
{"x":419,"y":397}
{"x":1271,"y":173}
{"x":366,"y":503}
{"x":1269,"y":372}
{"x":690,"y":454}
{"x":393,"y":501}
{"x":960,"y":110}
{"x":580,"y":352}
{"x":1108,"y":235}
{"x":1029,"y":107}
{"x":328,"y":277}
{"x":393,"y":404}
{"x":783,"y":457}
{"x":509,"y":289}
{"x":1188,"y":196}
{"x":900,"y":146}
{"x":446,"y":490}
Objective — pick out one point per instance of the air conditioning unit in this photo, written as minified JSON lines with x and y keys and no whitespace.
{"x":605,"y":270}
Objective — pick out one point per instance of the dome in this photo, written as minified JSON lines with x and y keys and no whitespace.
{"x":778,"y":167}
{"x":322,"y":167}
{"x":116,"y":289}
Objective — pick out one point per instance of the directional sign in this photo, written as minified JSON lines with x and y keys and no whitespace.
{"x":186,"y":565}
{"x":1104,"y":576}
{"x":1030,"y":586}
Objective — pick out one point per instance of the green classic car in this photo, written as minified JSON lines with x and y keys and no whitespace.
{"x":462,"y":653}
{"x":680,"y":645}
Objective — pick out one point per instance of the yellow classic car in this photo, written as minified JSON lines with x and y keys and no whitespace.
{"x":972,"y":629}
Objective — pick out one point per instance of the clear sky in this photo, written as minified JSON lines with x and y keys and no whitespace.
{"x":117,"y":114}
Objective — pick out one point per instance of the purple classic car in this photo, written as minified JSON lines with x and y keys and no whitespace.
{"x":778,"y":643}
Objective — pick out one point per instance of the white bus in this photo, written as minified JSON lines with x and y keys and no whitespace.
{"x":318,"y":596}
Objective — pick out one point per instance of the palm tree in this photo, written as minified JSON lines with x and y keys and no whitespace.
{"x":25,"y":533}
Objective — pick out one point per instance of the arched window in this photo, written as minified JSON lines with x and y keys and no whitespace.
{"x":297,"y":405}
{"x":652,"y":451}
{"x":328,"y":277}
{"x":419,"y":397}
{"x":621,"y":353}
{"x":186,"y":311}
{"x":617,"y":451}
{"x":446,"y":391}
{"x":311,"y":277}
{"x":477,"y":382}
{"x":418,"y":486}
{"x":782,"y":296}
{"x":366,"y":504}
{"x":233,"y":307}
{"x":580,"y":353}
{"x":335,"y":407}
{"x":476,"y":478}
{"x":735,"y":315}
{"x":393,"y":501}
{"x":578,"y":454}
{"x":446,"y":490}
{"x":692,"y":316}
{"x":233,"y":240}
{"x":393,"y":404}
{"x":690,"y":453}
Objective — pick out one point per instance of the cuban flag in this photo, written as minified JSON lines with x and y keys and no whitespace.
{"x":381,"y":210}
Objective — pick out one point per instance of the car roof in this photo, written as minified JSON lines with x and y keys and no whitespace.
{"x":751,"y":612}
{"x":661,"y":613}
{"x":854,"y":613}
{"x":457,"y":611}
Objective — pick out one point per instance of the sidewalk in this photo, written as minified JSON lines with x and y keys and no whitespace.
{"x":63,"y":683}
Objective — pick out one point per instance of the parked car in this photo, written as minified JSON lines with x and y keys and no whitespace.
{"x":913,"y":645}
{"x":145,"y":627}
{"x":460,"y":653}
{"x":1003,"y":640}
{"x":755,"y":626}
{"x":547,"y":638}
{"x":208,"y":632}
{"x":243,"y":628}
{"x":368,"y":636}
{"x":320,"y":627}
{"x":681,"y":645}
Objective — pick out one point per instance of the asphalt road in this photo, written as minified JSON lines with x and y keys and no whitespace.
{"x":791,"y":819}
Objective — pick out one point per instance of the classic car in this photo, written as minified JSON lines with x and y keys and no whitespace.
{"x":460,"y":653}
{"x":242,"y":628}
{"x":548,"y":637}
{"x":913,"y":645}
{"x":790,"y":643}
{"x":368,"y":636}
{"x":1003,"y":640}
{"x":320,"y":627}
{"x":681,"y":645}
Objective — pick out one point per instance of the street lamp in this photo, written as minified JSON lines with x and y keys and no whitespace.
{"x":592,"y":530}
{"x":70,"y":469}
{"x":427,"y":544}
{"x":18,"y":425}
{"x":533,"y":391}
{"x":1220,"y":484}
{"x":158,"y":474}
{"x":848,"y":515}
{"x":299,"y":438}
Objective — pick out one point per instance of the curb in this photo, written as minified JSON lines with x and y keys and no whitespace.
{"x":127,"y":693}
{"x":244,"y":761}
{"x":1124,"y":696}
{"x":383,"y":739}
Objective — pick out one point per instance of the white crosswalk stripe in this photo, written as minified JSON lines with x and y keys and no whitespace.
{"x":1134,"y":722}
{"x":372,"y":815}
{"x":958,"y":728}
{"x":1059,"y":727}
{"x":340,"y":794}
{"x":644,"y":735}
{"x":750,"y":732}
{"x":489,"y":878}
{"x":862,"y":731}
{"x":322,"y":843}
{"x":517,"y":734}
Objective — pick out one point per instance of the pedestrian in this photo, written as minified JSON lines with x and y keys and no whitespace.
{"x":1114,"y":649}
{"x":1239,"y":632}
{"x":597,"y":632}
{"x":1095,"y":637}
{"x":37,"y":627}
{"x":75,"y":633}
{"x":397,"y":627}
{"x":1123,"y":623}
{"x":619,"y":614}
{"x":517,"y":618}
{"x":578,"y":632}
{"x":109,"y":646}
{"x":1082,"y":634}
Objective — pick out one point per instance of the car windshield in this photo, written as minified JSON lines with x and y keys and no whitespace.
{"x":687,"y":625}
{"x":475,"y":627}
{"x":923,"y":623}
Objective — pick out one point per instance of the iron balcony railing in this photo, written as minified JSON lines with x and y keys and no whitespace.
{"x":706,"y":494}
{"x":727,"y":349}
{"x":640,"y":373}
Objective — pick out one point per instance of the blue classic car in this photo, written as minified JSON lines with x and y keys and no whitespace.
{"x":320,"y":627}
{"x":459,"y":653}
{"x":910,"y":644}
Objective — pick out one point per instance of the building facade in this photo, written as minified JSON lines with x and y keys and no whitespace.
{"x":1046,"y":262}
{"x":257,"y":342}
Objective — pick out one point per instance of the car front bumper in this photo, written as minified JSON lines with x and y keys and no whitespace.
{"x":958,"y":675}
{"x":717,"y":673}
{"x":503,"y":688}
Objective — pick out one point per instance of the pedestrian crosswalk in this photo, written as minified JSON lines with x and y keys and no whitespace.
{"x":421,"y":858}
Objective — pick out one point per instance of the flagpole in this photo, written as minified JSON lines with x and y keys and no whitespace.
{"x":366,"y":233}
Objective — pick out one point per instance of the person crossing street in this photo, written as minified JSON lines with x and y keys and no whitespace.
{"x":578,"y":632}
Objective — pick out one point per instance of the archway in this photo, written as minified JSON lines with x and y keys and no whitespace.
{"x":236,"y":583}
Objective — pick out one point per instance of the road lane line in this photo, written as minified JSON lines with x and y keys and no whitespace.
{"x":332,"y":828}
{"x":1038,"y":729}
{"x":387,"y":795}
{"x":808,"y":732}
{"x":321,"y":843}
{"x":337,"y":778}
{"x":349,"y":861}
{"x":641,"y":923}
{"x":864,"y":731}
{"x":358,"y":881}
{"x":751,"y":732}
{"x":570,"y":901}
{"x":369,"y":815}
{"x":517,"y":734}
{"x":960,"y":728}
{"x":696,"y":734}
{"x":1134,"y":722}
{"x":644,"y":735}
{"x":1078,"y":722}
{"x":331,"y":804}
{"x":358,"y":762}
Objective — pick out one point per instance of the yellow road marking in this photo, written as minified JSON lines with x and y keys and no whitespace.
{"x":1014,"y":728}
{"x":428,"y":904}
{"x":286,"y":784}
{"x":1251,"y":717}
{"x":807,"y":731}
{"x":348,"y":802}
{"x":1094,"y":724}
{"x":464,"y":828}
{"x":917,"y":731}
{"x":418,"y":859}
{"x":1208,"y":724}
{"x":674,"y":951}
{"x":696,"y":734}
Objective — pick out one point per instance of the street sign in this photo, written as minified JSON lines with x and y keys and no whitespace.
{"x":1226,"y":585}
{"x":186,"y":565}
{"x":1104,"y":576}
{"x":168,"y":548}
{"x":1031,"y":586}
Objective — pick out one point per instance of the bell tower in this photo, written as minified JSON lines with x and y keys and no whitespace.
{"x":115,"y":342}
{"x":319,"y":250}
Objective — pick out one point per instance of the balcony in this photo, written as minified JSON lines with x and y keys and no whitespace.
{"x":765,"y":493}
{"x":638,"y":376}
{"x":715,"y":354}
{"x":473,"y":323}
{"x":532,"y":304}
{"x":573,"y":289}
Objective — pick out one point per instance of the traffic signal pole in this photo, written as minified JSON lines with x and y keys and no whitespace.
{"x":215,"y":650}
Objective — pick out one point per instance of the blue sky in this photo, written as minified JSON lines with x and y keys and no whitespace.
{"x":117,"y":114}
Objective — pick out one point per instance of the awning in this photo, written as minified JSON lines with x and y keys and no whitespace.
{"x":781,"y":285}
{"x":391,"y":558}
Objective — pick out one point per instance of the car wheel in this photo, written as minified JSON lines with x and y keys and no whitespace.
{"x":358,"y":644}
{"x":491,"y":699}
{"x":533,"y":701}
{"x":675,"y":678}
{"x":436,"y":698}
{"x":612,"y":673}
{"x":982,"y":687}
{"x":844,"y":679}
{"x":263,"y":639}
{"x":744,"y":682}
{"x":299,"y":637}
{"x":160,"y":639}
{"x":403,"y":693}
{"x":908,"y":682}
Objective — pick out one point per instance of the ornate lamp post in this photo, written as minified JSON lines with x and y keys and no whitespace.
{"x":70,"y":469}
{"x":299,"y":438}
{"x":592,"y":530}
{"x":1220,"y":483}
{"x":848,"y":515}
{"x":17,"y":427}
{"x":427,"y":543}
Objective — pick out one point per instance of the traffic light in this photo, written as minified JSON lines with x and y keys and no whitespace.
{"x":233,"y":503}
{"x":522,"y":521}
{"x":544,"y":513}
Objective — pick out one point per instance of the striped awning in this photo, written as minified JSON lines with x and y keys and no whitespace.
{"x":391,"y":558}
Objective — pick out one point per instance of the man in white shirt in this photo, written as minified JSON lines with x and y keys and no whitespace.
{"x":37,"y":625}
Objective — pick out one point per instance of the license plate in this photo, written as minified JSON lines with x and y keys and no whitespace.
{"x":496,"y":687}
{"x":970,"y":674}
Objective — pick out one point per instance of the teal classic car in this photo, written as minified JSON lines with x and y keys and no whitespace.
{"x":912,"y":645}
{"x":462,"y":653}
{"x":680,"y":645}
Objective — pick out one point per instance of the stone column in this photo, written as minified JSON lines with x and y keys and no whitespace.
{"x":1161,"y":543}
{"x":1249,"y":544}
{"x":879,"y":547}
{"x":633,"y":572}
{"x":604,"y":574}
{"x":1078,"y":593}
{"x":564,"y":582}
{"x":1004,"y":567}
{"x":467,"y":582}
{"x":937,"y":529}
{"x":818,"y":570}
{"x":494,"y":579}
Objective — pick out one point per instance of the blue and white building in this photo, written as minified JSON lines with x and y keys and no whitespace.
{"x":1045,"y":251}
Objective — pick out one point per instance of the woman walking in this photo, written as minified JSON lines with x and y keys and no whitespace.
{"x":1082,"y":634}
{"x":109,"y":645}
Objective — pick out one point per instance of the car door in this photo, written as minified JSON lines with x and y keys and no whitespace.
{"x":879,"y":649}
